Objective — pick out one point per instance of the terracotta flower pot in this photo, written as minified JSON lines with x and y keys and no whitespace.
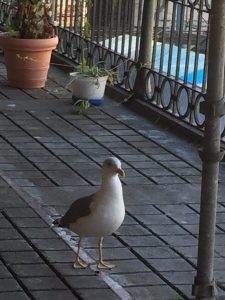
{"x":27,"y":60}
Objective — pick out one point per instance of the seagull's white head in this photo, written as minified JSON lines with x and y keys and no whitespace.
{"x":112,"y":166}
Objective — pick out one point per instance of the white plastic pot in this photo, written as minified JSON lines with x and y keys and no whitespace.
{"x":87,"y":88}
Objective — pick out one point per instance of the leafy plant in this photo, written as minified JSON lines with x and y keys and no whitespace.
{"x":80,"y":106}
{"x":95,"y":71}
{"x":32,"y":20}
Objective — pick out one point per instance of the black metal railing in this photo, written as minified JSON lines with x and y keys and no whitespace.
{"x":110,"y":30}
{"x":107,"y":31}
{"x":7,"y":11}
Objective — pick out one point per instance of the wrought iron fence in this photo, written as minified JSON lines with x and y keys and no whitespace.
{"x":178,"y":75}
{"x":7,"y":10}
{"x":109,"y":31}
{"x":102,"y":31}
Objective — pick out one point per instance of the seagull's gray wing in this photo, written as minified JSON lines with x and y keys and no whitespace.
{"x":79,"y":208}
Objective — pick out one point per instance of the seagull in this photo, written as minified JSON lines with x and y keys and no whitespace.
{"x":99,"y":214}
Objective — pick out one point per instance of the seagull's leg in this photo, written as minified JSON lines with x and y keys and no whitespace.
{"x":101,"y":264}
{"x":79,"y":263}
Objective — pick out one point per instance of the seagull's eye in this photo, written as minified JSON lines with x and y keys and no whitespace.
{"x":109,"y":164}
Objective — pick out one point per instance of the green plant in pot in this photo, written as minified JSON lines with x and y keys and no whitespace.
{"x":88,"y":85}
{"x":28,"y":43}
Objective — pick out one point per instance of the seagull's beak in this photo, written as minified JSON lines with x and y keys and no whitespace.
{"x":121,"y":172}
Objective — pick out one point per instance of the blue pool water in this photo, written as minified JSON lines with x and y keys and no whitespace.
{"x":174,"y":55}
{"x":181,"y":62}
{"x":199,"y":80}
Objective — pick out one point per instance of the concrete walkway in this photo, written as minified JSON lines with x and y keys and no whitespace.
{"x":50,"y":156}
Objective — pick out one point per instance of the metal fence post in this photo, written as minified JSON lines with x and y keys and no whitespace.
{"x":145,"y":51}
{"x":53,"y":8}
{"x":204,"y":286}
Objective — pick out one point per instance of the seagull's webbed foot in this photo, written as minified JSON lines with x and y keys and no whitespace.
{"x":80,"y":264}
{"x":104,"y":265}
{"x":101,"y":264}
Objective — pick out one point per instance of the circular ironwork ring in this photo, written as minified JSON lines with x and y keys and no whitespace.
{"x":74,"y":46}
{"x":108,"y":60}
{"x":63,"y":42}
{"x":166,"y":102}
{"x":199,"y":117}
{"x":193,"y":2}
{"x":82,"y":49}
{"x":150,"y":85}
{"x":95,"y":55}
{"x":120,"y":69}
{"x":208,"y":4}
{"x":185,"y":110}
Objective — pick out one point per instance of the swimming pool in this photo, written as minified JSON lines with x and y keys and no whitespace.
{"x":182,"y":63}
{"x":169,"y":50}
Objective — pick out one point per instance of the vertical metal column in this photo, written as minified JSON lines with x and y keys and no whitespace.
{"x":53,"y":8}
{"x":145,"y":51}
{"x":204,"y":286}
